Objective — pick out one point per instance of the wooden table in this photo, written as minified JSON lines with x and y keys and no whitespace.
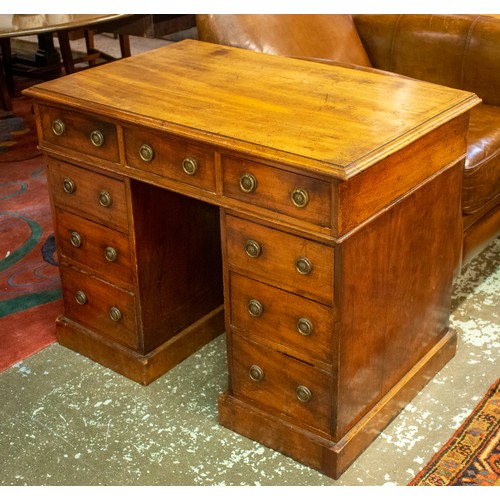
{"x":46,"y":63}
{"x":316,"y":207}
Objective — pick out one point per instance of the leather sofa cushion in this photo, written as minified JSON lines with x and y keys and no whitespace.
{"x":481,"y":180}
{"x":332,"y":37}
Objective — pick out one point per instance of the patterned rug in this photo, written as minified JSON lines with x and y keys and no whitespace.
{"x":30,"y":295}
{"x":18,"y":139}
{"x":472,"y":456}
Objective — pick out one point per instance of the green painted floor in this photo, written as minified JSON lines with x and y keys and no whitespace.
{"x":65,"y":420}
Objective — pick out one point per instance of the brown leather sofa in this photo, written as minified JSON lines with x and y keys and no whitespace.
{"x":460,"y":51}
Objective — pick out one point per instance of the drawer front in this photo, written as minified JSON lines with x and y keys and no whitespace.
{"x":299,"y":196}
{"x":265,"y":312}
{"x":101,"y":249}
{"x":182,"y":161}
{"x":281,"y":382}
{"x":79,"y":132}
{"x":100,"y":197}
{"x":99,"y":305}
{"x":296,"y":264}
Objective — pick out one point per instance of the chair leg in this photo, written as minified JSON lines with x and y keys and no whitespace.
{"x":66,"y":54}
{"x":125,"y":45}
{"x":90,"y":45}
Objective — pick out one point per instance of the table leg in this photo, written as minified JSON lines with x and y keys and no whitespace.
{"x":47,"y":54}
{"x":7,"y":64}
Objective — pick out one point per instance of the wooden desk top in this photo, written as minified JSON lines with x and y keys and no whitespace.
{"x":323,"y":118}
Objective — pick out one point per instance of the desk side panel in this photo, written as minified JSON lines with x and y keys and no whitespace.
{"x":393,"y":292}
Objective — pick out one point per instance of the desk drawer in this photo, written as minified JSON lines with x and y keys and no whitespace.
{"x":299,"y":196}
{"x":99,"y":305}
{"x":100,"y":197}
{"x":101,"y":249}
{"x":296,"y":264}
{"x":265,"y":312}
{"x":80,"y":132}
{"x":182,"y":161}
{"x":281,"y":382}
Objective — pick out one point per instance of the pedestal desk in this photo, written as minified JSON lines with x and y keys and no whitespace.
{"x":311,"y":212}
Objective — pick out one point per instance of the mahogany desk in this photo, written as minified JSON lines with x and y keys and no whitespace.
{"x":310,"y":211}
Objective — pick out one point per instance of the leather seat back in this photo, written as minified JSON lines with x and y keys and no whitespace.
{"x":332,"y":37}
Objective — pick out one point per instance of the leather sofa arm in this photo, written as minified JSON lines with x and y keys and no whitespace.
{"x":459,"y":51}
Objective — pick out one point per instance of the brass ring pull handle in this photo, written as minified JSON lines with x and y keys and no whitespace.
{"x":252,"y":249}
{"x":248,"y":183}
{"x":303,"y":265}
{"x":69,"y":186}
{"x":80,"y":297}
{"x":146,"y":152}
{"x":97,"y":138}
{"x":304,"y":327}
{"x":110,"y":254}
{"x":115,"y":314}
{"x":256,"y":373}
{"x":255,"y":308}
{"x":58,"y":127}
{"x":105,"y":199}
{"x":189,"y":166}
{"x":303,"y":394}
{"x":76,"y":239}
{"x":300,"y":197}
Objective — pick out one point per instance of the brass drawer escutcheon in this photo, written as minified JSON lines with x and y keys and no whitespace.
{"x":69,"y":186}
{"x":58,"y":127}
{"x":97,"y":138}
{"x":76,"y":239}
{"x":252,"y":249}
{"x":256,"y":373}
{"x":255,"y":308}
{"x":248,"y":183}
{"x":300,"y":197}
{"x":110,"y":254}
{"x":303,"y":265}
{"x":189,"y":166}
{"x":105,"y":199}
{"x":303,"y":394}
{"x":305,"y":327}
{"x":146,"y":153}
{"x":115,"y":314}
{"x":80,"y":297}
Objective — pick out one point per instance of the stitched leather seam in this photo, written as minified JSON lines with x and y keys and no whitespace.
{"x":466,"y":49}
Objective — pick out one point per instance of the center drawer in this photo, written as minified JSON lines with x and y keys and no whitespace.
{"x":99,"y":305}
{"x":105,"y":251}
{"x":288,"y":261}
{"x":281,"y":382}
{"x":176,"y":159}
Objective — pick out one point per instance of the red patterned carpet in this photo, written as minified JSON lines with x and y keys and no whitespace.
{"x":472,"y":456}
{"x":29,"y":278}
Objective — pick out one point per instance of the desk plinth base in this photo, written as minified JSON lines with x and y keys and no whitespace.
{"x":314,"y":450}
{"x":141,"y":368}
